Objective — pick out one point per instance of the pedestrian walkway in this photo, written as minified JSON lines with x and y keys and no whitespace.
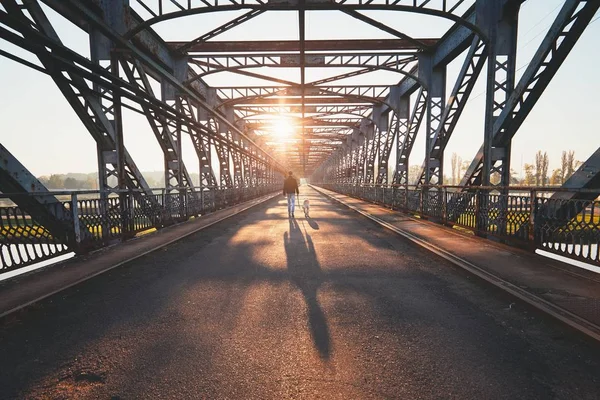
{"x":570,"y":293}
{"x":28,"y":288}
{"x":262,"y":306}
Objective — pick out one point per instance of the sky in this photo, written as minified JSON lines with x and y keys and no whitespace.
{"x":43,"y":132}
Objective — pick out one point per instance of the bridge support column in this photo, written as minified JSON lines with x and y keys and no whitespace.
{"x":500,"y":23}
{"x":371,"y":133}
{"x":402,"y":117}
{"x":435,"y":78}
{"x":384,"y":143}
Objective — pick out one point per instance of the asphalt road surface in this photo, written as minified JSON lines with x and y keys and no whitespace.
{"x":266,"y":307}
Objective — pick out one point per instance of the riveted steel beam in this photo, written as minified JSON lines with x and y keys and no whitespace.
{"x":158,"y":12}
{"x":467,"y":77}
{"x":294,"y":45}
{"x":406,"y":138}
{"x":46,"y":209}
{"x":564,"y":32}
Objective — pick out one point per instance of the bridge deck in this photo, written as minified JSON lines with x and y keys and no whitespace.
{"x":260,"y":306}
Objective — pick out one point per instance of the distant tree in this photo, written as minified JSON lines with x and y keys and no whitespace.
{"x":464,"y":166}
{"x":91,"y":183}
{"x":556,"y":179}
{"x":563,"y":167}
{"x":538,"y":168}
{"x":56,"y":182}
{"x":72,"y":183}
{"x":545,"y":163}
{"x":541,"y":168}
{"x":570,"y":165}
{"x":456,"y":163}
{"x":152,"y":182}
{"x":413,"y":173}
{"x":44,"y":180}
{"x":530,"y":177}
{"x":453,"y":167}
{"x":514,"y":179}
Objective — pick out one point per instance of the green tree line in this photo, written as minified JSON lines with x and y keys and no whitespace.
{"x":82,"y":181}
{"x":534,"y":174}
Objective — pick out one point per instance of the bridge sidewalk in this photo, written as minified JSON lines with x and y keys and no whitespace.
{"x":22,"y":290}
{"x":566,"y":292}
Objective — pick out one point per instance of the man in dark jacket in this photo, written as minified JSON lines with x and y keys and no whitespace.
{"x":290,"y":189}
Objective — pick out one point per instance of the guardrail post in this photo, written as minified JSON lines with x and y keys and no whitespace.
{"x":477,"y":211}
{"x":131,"y":201}
{"x":444,"y":201}
{"x":76,"y":224}
{"x":201,"y":201}
{"x":532,"y":211}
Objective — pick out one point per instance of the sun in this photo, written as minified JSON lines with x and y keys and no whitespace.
{"x":282,"y":128}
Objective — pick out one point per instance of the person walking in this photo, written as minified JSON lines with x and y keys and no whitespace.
{"x":290,"y":190}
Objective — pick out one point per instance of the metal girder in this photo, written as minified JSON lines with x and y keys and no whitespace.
{"x":201,"y":142}
{"x":163,"y":10}
{"x":307,"y":122}
{"x":501,"y":29}
{"x":222,"y":151}
{"x":147,"y":40}
{"x":406,"y":69}
{"x":436,"y":95}
{"x":385,"y":28}
{"x":387,"y":134}
{"x":214,"y":63}
{"x":400,"y":126}
{"x":405,"y":141}
{"x":249,"y":110}
{"x":452,"y":44}
{"x":47,"y":210}
{"x":165,"y":76}
{"x":182,"y":49}
{"x":86,"y":102}
{"x":566,"y":29}
{"x":294,"y":45}
{"x":296,"y":101}
{"x":236,"y":158}
{"x":167,"y":131}
{"x":81,"y":68}
{"x":455,"y":105}
{"x":240,"y":92}
{"x":587,"y":176}
{"x":371,"y":141}
{"x":361,"y":156}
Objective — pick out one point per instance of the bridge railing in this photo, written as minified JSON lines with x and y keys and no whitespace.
{"x":94,"y":221}
{"x":526,"y":217}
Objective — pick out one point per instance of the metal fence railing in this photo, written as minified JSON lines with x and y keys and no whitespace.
{"x":82,"y":221}
{"x":523,"y":216}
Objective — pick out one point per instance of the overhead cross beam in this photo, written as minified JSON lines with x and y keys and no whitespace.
{"x":399,"y":45}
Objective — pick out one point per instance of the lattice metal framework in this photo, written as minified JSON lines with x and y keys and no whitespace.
{"x":341,"y":132}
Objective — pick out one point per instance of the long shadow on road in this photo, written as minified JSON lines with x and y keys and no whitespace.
{"x":208,"y":315}
{"x":305,"y":272}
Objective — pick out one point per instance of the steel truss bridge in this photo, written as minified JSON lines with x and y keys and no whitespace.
{"x":344,"y":134}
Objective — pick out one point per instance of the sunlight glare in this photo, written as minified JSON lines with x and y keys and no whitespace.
{"x":282,"y":129}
